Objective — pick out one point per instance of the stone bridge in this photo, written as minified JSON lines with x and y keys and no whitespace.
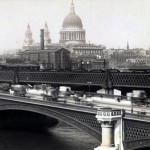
{"x":80,"y":117}
{"x":114,"y":128}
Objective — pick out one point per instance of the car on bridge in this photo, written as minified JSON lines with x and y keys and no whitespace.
{"x":83,"y":98}
{"x":64,"y":91}
{"x":18,"y":90}
{"x":77,"y":96}
{"x":50,"y":94}
{"x":139,"y":97}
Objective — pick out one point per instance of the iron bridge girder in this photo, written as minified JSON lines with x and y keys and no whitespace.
{"x":136,"y":132}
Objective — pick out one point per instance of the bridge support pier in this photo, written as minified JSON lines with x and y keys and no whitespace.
{"x":107,"y":136}
{"x":109,"y":91}
{"x":108,"y":119}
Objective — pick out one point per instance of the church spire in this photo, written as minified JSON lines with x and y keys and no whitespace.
{"x":28,"y":36}
{"x":127,"y":45}
{"x":28,"y":31}
{"x":47,"y":39}
{"x":46,"y":27}
{"x":72,"y":8}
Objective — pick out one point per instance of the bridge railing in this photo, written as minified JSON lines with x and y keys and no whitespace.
{"x":141,"y":115}
{"x":93,"y":94}
{"x":117,"y":97}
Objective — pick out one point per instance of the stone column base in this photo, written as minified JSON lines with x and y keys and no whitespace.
{"x":106,"y":148}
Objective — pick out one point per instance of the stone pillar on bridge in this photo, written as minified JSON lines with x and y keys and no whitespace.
{"x":111,"y":133}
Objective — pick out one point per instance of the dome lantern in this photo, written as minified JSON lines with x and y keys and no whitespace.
{"x":72,"y":8}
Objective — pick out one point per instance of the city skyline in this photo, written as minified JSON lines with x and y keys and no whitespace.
{"x":110,"y":23}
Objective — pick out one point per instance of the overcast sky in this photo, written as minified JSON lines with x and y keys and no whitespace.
{"x":108,"y":22}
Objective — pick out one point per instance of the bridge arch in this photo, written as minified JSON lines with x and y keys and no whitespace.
{"x":54,"y":113}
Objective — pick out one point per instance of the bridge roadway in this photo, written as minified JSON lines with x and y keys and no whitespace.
{"x":131,"y":130}
{"x":100,"y":102}
{"x":106,"y":79}
{"x":95,"y":102}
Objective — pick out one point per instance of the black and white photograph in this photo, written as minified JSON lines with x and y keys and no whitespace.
{"x":74,"y":74}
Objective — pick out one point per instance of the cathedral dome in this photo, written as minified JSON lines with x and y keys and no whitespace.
{"x":72,"y":31}
{"x":72,"y":20}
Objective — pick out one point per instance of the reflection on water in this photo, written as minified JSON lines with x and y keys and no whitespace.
{"x":62,"y":137}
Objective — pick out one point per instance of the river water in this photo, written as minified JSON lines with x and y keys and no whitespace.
{"x":60,"y":137}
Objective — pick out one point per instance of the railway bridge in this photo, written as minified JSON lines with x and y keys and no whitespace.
{"x":124,"y":81}
{"x":113,"y":128}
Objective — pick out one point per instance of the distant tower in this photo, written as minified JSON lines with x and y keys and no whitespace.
{"x":47,"y":39}
{"x":127,"y":46}
{"x":28,"y":37}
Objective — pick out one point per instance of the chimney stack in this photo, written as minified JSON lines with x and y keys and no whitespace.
{"x":42,"y":39}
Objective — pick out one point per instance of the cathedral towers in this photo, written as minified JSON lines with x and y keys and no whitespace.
{"x":28,"y":36}
{"x":29,"y":43}
{"x":47,"y":40}
{"x":72,"y":32}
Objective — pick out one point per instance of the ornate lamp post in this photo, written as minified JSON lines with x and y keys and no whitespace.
{"x":88,"y":65}
{"x":104,"y":64}
{"x":131,"y":105}
{"x":89,"y":84}
{"x":82,"y":63}
{"x":130,"y":98}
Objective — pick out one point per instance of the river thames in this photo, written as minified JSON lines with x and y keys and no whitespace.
{"x":60,"y":137}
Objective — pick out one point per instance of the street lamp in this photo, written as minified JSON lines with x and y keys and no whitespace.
{"x":104,"y":64}
{"x":130,"y":98}
{"x":88,"y":65}
{"x":89,"y":83}
{"x":131,"y":105}
{"x":82,"y":64}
